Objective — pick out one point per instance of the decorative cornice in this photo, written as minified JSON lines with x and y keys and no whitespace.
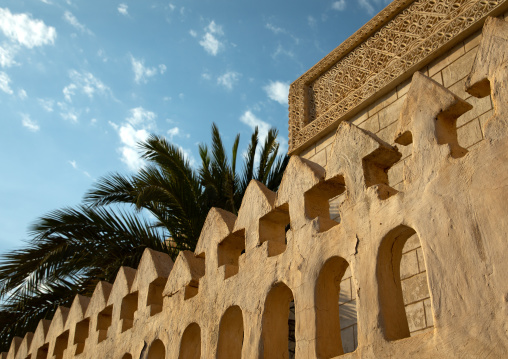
{"x":403,"y":37}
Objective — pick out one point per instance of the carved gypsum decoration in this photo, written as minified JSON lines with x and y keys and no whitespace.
{"x":329,"y":92}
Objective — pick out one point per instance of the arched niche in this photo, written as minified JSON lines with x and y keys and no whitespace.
{"x":403,"y":287}
{"x":157,"y":350}
{"x":277,"y":322}
{"x":127,"y":356}
{"x":336,"y":317}
{"x":190,"y":347}
{"x":231,"y":334}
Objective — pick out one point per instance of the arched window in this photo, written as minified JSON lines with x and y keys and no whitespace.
{"x":231,"y":334}
{"x":157,"y":350}
{"x":190,"y":347}
{"x":277,"y":322}
{"x":336,"y":318}
{"x":403,"y":287}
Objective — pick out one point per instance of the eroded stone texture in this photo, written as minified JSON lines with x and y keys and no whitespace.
{"x":418,"y":271}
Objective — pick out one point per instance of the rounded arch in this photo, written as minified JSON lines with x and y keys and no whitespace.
{"x":127,"y":356}
{"x":276,"y":316}
{"x":336,"y":315}
{"x":403,"y":285}
{"x":157,"y":350}
{"x":231,"y":334}
{"x":190,"y":346}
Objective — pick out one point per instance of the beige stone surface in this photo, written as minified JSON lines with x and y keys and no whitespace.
{"x":415,"y":272}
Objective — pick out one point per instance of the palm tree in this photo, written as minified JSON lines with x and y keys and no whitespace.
{"x":162,"y":207}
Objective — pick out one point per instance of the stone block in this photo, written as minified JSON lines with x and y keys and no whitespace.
{"x":415,"y":288}
{"x":473,"y":41}
{"x":428,"y":313}
{"x":347,"y":314}
{"x":347,"y":336}
{"x":459,"y":89}
{"x":371,"y":124}
{"x":395,"y":173}
{"x":359,"y":117}
{"x":459,"y":69}
{"x":480,"y":106}
{"x":388,"y":133}
{"x":408,"y":265}
{"x":446,"y":59}
{"x":320,"y":158}
{"x":415,"y":316}
{"x":438,"y":77}
{"x":308,"y":152}
{"x":403,"y":88}
{"x":345,"y":291}
{"x":384,"y":101}
{"x":347,"y":273}
{"x":469,"y":134}
{"x":412,"y":242}
{"x":325,"y":141}
{"x":485,"y":117}
{"x":421,"y":260}
{"x":390,"y":114}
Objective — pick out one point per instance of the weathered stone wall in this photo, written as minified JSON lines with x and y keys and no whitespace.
{"x":373,"y":266}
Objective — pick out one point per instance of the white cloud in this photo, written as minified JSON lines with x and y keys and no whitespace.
{"x":46,"y":104}
{"x":133,"y":130}
{"x":210,"y":41}
{"x":4,"y":83}
{"x":276,"y":30}
{"x":172,"y":132}
{"x":123,"y":9}
{"x":7,"y":54}
{"x":206,"y":76}
{"x":278,"y":91}
{"x":72,"y":20}
{"x":311,"y":21}
{"x":22,"y":29}
{"x":172,"y":7}
{"x":282,"y":51}
{"x":47,"y":2}
{"x":22,"y":94}
{"x":339,"y":5}
{"x":193,"y":33}
{"x":71,"y":115}
{"x":141,"y":117}
{"x":252,"y":121}
{"x":73,"y":164}
{"x":210,"y":44}
{"x":142,"y":73}
{"x":86,"y":83}
{"x":228,"y":79}
{"x":367,"y":6}
{"x":27,"y":122}
{"x":214,"y":28}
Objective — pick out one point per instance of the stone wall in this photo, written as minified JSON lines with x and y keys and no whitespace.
{"x":373,"y":265}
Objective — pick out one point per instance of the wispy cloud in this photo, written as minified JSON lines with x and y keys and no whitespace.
{"x":123,"y":9}
{"x":142,"y":73}
{"x":76,"y":167}
{"x":72,"y":20}
{"x":193,"y":33}
{"x":86,"y":83}
{"x":22,"y":94}
{"x":367,"y":6}
{"x":228,"y":80}
{"x":30,"y":124}
{"x":4,"y":83}
{"x":172,"y":132}
{"x":46,"y":104}
{"x":282,"y":51}
{"x":279,"y":30}
{"x":253,"y":121}
{"x":7,"y":54}
{"x":210,"y":41}
{"x":134,"y":129}
{"x":22,"y":29}
{"x":278,"y":91}
{"x":339,"y":5}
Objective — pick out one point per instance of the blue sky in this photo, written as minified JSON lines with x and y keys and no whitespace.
{"x":81,"y":81}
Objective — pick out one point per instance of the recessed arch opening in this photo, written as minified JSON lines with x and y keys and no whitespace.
{"x":190,"y":346}
{"x":231,"y":334}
